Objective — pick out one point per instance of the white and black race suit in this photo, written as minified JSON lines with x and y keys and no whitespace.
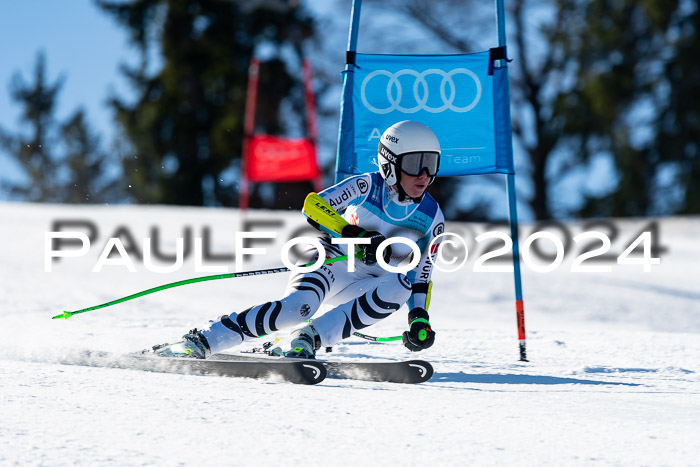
{"x":356,"y":299}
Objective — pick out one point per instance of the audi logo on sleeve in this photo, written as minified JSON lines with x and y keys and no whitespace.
{"x":421,"y":91}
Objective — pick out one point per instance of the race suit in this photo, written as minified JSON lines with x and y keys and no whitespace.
{"x":360,"y":298}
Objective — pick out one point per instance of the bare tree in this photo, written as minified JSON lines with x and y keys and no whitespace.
{"x":537,"y":70}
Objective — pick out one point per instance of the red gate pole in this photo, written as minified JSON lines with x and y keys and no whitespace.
{"x":311,"y":116}
{"x":248,"y":128}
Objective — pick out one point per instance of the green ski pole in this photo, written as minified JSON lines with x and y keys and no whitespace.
{"x":376,"y":339}
{"x":260,"y":272}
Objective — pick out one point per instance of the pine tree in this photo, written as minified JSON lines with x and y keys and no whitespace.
{"x":186,"y":127}
{"x":61,"y":162}
{"x":678,"y":138}
{"x":34,"y":151}
{"x":617,"y":48}
{"x":84,"y":164}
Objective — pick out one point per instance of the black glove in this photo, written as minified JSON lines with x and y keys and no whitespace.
{"x":419,"y":336}
{"x":369,"y":251}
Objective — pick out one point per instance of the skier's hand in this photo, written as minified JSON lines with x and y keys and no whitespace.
{"x":369,"y":251}
{"x":420,"y":335}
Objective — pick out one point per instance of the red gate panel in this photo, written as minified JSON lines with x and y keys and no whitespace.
{"x":277,"y":159}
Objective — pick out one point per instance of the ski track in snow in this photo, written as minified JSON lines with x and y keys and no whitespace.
{"x":612,"y":379}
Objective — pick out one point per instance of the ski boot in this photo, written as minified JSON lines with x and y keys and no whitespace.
{"x":192,"y":345}
{"x":305,"y":342}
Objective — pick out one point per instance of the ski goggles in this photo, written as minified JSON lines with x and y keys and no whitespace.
{"x":413,"y":163}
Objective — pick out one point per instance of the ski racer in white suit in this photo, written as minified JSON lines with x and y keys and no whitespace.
{"x":389,"y":203}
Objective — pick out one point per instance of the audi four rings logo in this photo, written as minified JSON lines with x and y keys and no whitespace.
{"x":421,"y":95}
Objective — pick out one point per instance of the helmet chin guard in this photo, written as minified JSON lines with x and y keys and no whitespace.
{"x":399,"y":139}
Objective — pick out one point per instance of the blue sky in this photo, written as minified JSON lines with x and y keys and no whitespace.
{"x":80,"y":42}
{"x":86,"y":46}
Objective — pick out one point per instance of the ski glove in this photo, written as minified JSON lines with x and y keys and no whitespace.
{"x":420,"y":335}
{"x":369,"y":251}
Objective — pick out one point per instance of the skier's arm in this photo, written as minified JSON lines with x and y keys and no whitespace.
{"x":322,"y":212}
{"x":420,"y":276}
{"x":351,"y":191}
{"x":420,"y":334}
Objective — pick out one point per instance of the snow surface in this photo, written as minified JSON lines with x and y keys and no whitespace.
{"x":613,"y":377}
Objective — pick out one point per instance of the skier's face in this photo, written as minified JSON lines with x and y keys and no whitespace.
{"x":415,"y":186}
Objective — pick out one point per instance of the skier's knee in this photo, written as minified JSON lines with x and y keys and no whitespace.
{"x":296,"y":308}
{"x":307,"y":301}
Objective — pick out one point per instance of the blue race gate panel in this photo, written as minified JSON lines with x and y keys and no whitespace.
{"x":464,"y":99}
{"x":454,"y":95}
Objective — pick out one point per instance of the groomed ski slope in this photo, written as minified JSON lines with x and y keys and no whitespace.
{"x":613,"y":377}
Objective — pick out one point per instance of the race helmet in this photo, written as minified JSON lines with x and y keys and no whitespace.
{"x":408,"y":147}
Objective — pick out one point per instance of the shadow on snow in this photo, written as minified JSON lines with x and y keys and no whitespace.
{"x":462,"y":377}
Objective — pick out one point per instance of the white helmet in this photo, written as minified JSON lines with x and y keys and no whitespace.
{"x":410,"y":147}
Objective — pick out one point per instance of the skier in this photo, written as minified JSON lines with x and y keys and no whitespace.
{"x":389,"y":203}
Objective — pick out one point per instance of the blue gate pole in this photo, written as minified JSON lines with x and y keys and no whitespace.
{"x":345,"y":129}
{"x":354,"y":25}
{"x":512,"y":208}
